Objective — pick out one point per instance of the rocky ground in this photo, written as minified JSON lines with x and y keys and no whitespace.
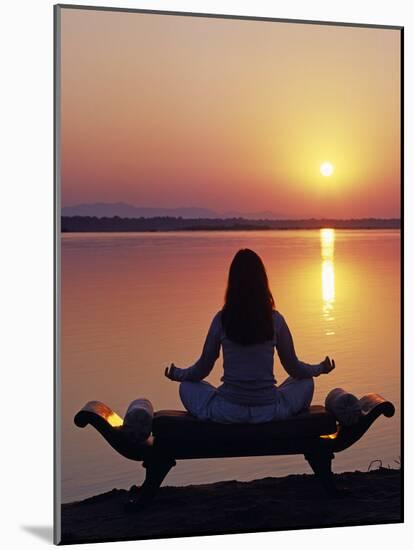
{"x":269,"y":504}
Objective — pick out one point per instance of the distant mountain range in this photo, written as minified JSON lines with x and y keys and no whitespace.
{"x":125,"y":210}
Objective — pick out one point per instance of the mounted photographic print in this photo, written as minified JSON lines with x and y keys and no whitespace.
{"x":228,"y":274}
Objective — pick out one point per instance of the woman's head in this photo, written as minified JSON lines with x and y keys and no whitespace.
{"x":247,"y":312}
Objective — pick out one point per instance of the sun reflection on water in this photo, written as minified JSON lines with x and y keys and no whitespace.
{"x":327,"y":237}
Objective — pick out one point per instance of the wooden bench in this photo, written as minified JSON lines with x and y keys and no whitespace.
{"x":176,"y":435}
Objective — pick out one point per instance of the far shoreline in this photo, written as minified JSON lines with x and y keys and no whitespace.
{"x":88,"y":224}
{"x":231,"y":230}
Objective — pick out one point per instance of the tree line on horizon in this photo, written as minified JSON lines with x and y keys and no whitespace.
{"x":77,"y":224}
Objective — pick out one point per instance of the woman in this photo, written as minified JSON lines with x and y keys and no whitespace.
{"x":248,"y":328}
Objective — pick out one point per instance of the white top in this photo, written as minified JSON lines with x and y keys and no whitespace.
{"x":248,"y":370}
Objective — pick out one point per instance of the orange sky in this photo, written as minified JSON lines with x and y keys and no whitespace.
{"x":226,"y":114}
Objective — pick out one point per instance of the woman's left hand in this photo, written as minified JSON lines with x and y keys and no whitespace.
{"x":169,"y":371}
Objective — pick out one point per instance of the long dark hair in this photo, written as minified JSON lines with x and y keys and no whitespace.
{"x":247,"y":313}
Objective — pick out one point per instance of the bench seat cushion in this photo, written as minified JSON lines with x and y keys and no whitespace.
{"x":180,"y":425}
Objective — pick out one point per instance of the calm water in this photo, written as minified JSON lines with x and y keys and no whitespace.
{"x":133,"y":303}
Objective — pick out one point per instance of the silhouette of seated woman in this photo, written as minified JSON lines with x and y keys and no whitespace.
{"x":248,"y":328}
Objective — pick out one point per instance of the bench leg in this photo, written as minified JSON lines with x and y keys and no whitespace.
{"x":321,"y":464}
{"x":156,"y":470}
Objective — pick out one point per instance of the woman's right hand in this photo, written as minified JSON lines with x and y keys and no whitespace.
{"x":328,"y":365}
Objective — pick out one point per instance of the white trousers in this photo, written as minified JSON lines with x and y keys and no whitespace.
{"x":202,"y":400}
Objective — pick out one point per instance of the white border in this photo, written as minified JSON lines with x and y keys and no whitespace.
{"x":26,"y":114}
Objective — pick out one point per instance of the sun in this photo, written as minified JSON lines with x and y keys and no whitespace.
{"x":326,"y":169}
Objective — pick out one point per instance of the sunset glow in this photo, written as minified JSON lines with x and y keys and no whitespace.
{"x":231,"y":115}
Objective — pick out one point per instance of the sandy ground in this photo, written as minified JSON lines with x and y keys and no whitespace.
{"x":269,"y":504}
